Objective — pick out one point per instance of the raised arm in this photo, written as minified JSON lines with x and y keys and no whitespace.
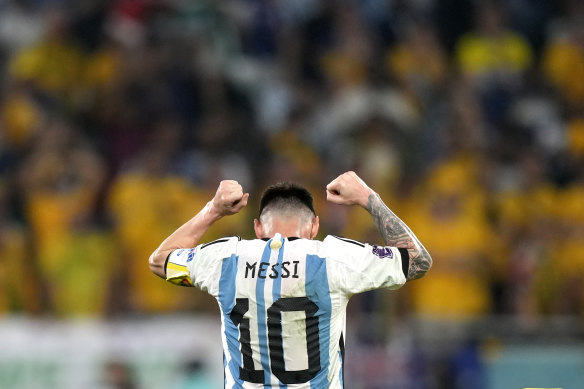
{"x":229,"y":199}
{"x":349,"y":189}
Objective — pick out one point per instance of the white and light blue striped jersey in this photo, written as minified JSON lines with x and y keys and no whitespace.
{"x":283,"y":302}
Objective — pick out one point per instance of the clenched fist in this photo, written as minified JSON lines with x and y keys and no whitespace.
{"x":348,"y":189}
{"x":229,"y":198}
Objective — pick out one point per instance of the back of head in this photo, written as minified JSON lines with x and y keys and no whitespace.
{"x":287,"y":199}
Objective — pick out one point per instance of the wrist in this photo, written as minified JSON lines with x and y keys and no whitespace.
{"x":212,"y":212}
{"x":366,"y":198}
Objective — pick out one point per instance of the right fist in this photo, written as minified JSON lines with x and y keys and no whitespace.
{"x":229,"y":198}
{"x":348,"y":189}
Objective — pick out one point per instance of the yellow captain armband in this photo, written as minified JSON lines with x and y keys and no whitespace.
{"x":178,"y":273}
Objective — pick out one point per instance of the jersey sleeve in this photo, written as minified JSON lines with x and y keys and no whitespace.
{"x":199,"y":266}
{"x":359,"y":267}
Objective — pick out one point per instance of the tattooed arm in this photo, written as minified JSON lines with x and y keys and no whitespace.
{"x":349,"y":189}
{"x":396,"y":233}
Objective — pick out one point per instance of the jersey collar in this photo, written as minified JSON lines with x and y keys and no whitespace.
{"x":290,"y":239}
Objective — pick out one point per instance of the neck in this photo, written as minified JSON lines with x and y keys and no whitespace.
{"x":287,"y":227}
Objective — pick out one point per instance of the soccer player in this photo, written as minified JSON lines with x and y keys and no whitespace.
{"x":283,"y":296}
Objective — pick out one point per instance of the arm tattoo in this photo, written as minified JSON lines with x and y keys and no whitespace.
{"x":396,"y":233}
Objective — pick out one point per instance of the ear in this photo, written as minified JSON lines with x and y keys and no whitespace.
{"x":314,"y":229}
{"x":258,"y":228}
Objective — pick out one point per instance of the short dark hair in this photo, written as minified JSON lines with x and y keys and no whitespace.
{"x":289,"y":193}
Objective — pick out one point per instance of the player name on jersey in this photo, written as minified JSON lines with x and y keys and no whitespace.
{"x":264,"y":269}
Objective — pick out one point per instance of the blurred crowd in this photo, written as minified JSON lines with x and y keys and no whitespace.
{"x":119,"y":118}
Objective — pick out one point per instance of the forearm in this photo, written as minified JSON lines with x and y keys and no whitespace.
{"x":396,"y":233}
{"x":186,"y":236}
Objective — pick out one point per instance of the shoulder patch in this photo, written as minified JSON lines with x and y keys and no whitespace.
{"x":382,"y":252}
{"x":191,"y":255}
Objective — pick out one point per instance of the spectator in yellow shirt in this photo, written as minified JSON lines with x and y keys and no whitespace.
{"x":448,"y":212}
{"x":61,"y":180}
{"x":492,"y":51}
{"x":18,"y":292}
{"x":147,"y":202}
{"x":54,"y":65}
{"x":563,"y":64}
{"x":418,"y":62}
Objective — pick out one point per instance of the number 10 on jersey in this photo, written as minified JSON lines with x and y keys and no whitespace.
{"x":275,"y":340}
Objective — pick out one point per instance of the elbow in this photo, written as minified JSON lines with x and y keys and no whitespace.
{"x":156,"y":264}
{"x":152,"y":262}
{"x":428,"y":265}
{"x":420,"y":266}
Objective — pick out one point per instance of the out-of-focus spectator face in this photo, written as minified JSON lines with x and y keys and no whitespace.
{"x":118,"y":375}
{"x":55,"y":137}
{"x":57,"y":24}
{"x":217,"y":129}
{"x":575,"y":138}
{"x":167,"y":135}
{"x":418,"y":62}
{"x":489,"y":19}
{"x":345,"y":62}
{"x":2,"y":199}
{"x":578,"y":33}
{"x":20,"y":116}
{"x":422,"y":37}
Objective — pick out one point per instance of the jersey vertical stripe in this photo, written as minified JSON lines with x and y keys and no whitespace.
{"x":277,"y":289}
{"x":226,"y":302}
{"x":317,"y":290}
{"x":341,"y":371}
{"x":261,"y":315}
{"x":342,"y":359}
